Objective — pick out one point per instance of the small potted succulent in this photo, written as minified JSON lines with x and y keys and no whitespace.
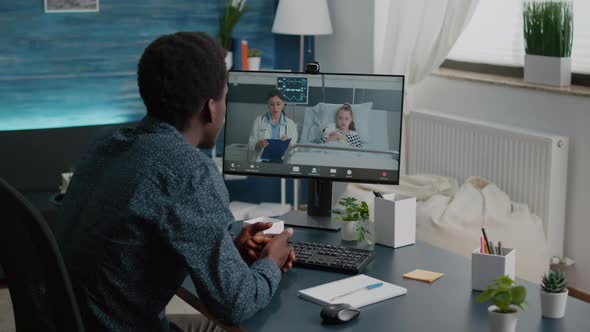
{"x":506,"y":298}
{"x":554,"y":294}
{"x":254,"y":57}
{"x":355,"y":218}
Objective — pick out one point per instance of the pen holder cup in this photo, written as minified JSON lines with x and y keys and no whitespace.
{"x":485,"y":267}
{"x":395,"y":221}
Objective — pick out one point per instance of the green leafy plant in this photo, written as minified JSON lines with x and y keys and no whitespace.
{"x":548,"y":28}
{"x":554,"y":282}
{"x":254,"y":52}
{"x":504,"y":293}
{"x":234,"y":9}
{"x":355,"y":211}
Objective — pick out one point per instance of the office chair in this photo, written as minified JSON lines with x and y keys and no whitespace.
{"x":42,"y":296}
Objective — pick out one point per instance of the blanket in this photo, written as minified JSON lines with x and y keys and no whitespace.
{"x":451,"y":218}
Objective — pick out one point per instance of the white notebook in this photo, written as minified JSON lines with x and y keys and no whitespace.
{"x":357,"y":297}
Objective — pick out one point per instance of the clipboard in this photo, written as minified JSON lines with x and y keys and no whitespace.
{"x":275,"y":149}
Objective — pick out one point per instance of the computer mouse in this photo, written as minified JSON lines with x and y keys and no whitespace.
{"x":339,"y":313}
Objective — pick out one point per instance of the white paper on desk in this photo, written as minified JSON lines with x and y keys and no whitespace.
{"x":323,"y":294}
{"x":389,"y":197}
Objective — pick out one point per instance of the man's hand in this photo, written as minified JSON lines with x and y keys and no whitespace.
{"x":284,"y":138}
{"x":251,"y":240}
{"x":279,"y":250}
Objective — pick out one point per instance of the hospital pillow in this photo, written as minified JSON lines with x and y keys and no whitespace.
{"x":310,"y":132}
{"x":361,"y":116}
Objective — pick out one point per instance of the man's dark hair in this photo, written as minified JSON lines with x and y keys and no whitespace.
{"x":178,"y":73}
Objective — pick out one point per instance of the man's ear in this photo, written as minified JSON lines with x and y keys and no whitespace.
{"x":207,"y":113}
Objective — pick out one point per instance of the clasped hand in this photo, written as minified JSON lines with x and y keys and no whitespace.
{"x":253,"y":245}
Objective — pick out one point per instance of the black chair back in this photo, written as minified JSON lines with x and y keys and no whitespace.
{"x":40,"y":289}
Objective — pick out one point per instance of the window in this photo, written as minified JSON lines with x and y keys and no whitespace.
{"x":494,"y":36}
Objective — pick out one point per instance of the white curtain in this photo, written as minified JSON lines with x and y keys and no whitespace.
{"x":415,"y":36}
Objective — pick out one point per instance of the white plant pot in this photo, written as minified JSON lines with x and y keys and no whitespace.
{"x":349,"y":231}
{"x":501,"y":322}
{"x":229,"y":60}
{"x":553,"y":304}
{"x":254,"y":63}
{"x":547,"y":70}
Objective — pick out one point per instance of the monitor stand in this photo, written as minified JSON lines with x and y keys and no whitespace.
{"x":319,"y":204}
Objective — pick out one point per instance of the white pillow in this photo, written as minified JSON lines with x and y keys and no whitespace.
{"x":360,"y":114}
{"x":310,"y":133}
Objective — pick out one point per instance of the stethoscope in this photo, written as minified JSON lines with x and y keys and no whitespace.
{"x":266,"y":118}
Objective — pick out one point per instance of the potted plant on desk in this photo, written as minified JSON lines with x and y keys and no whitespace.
{"x":554,"y":294}
{"x":354,"y":217}
{"x":506,"y":298}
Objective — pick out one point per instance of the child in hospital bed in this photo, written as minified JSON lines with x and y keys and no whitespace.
{"x":343,"y":131}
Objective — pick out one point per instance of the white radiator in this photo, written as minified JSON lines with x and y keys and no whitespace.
{"x":531,"y":167}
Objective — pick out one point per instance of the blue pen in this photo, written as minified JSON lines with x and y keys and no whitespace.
{"x":372,"y":286}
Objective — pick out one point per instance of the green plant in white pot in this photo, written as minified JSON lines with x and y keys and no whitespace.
{"x":254,"y":57}
{"x":548,"y":37}
{"x":355,"y":219}
{"x":232,"y":12}
{"x":554,"y":294}
{"x":506,"y":298}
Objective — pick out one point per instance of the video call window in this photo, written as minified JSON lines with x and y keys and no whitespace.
{"x":334,"y":126}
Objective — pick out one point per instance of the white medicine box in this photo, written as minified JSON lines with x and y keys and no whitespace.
{"x":395,"y":220}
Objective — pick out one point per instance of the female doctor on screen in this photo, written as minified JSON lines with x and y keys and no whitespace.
{"x":273,"y":124}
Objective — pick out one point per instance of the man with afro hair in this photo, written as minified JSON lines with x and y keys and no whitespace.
{"x":145,"y":207}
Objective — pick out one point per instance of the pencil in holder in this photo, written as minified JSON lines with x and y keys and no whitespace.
{"x":487,"y":267}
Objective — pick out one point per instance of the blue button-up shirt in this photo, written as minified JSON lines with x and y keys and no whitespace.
{"x":143,"y":209}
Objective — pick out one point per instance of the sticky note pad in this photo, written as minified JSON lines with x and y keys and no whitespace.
{"x":423,"y":275}
{"x":278,"y":226}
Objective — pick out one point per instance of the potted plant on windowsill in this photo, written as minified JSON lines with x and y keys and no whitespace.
{"x":548,"y":36}
{"x":554,"y":294}
{"x":254,"y":57}
{"x":506,"y":298}
{"x":232,"y":12}
{"x":355,"y":218}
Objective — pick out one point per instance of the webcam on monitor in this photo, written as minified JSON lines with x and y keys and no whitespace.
{"x":312,"y":67}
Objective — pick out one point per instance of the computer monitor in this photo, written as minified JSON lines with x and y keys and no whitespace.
{"x":322,"y":127}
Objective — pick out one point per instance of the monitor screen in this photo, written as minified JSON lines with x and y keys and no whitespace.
{"x":339,"y":127}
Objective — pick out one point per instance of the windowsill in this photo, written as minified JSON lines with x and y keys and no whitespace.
{"x":574,"y":90}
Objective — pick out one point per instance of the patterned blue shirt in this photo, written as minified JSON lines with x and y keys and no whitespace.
{"x":143,"y":209}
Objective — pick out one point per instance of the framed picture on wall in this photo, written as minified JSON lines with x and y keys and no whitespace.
{"x":67,"y":6}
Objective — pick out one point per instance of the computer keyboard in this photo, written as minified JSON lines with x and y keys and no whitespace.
{"x":331,"y":258}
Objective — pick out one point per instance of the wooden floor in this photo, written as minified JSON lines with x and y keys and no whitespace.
{"x":582,"y":296}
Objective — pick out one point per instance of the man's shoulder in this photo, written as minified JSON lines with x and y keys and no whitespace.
{"x":163,"y":152}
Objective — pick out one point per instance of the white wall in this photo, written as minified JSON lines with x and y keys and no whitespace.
{"x":349,"y":49}
{"x":538,"y":110}
{"x":357,"y":24}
